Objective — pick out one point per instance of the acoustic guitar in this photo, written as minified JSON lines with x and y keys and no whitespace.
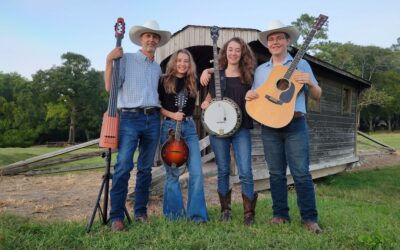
{"x":175,"y":151}
{"x":277,"y":96}
{"x":110,"y":125}
{"x":222,"y":117}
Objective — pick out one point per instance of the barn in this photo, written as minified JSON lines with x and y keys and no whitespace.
{"x":332,"y":121}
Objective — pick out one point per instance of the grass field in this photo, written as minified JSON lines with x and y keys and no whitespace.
{"x":357,"y":211}
{"x":391,"y":139}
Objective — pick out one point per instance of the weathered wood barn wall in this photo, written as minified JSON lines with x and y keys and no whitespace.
{"x":332,"y":121}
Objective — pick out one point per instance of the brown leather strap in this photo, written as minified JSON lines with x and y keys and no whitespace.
{"x":298,"y":114}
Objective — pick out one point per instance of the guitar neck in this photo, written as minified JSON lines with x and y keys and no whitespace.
{"x":300,"y":54}
{"x":112,"y":99}
{"x":217,"y":79}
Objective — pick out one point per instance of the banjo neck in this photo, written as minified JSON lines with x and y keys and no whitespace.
{"x":217,"y":79}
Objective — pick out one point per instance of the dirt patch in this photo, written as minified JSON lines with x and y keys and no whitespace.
{"x":72,"y":196}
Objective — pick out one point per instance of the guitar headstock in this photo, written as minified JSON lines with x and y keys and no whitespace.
{"x":214,"y":30}
{"x":319,"y":22}
{"x":119,"y":28}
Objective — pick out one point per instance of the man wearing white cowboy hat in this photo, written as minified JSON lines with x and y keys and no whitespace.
{"x":139,"y":118}
{"x":288,"y":145}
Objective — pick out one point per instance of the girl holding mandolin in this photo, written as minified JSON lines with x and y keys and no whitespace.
{"x":177,"y":92}
{"x":237,"y":63}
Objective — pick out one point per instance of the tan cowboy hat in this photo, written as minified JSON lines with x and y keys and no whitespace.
{"x":275,"y":26}
{"x":150,"y":26}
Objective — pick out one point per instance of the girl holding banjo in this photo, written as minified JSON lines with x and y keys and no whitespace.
{"x":177,"y":93}
{"x":236,"y":64}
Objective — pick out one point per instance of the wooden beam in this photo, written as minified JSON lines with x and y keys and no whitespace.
{"x":19,"y":166}
{"x":392,"y":150}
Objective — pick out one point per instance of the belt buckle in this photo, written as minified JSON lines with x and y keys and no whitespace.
{"x":148,"y":111}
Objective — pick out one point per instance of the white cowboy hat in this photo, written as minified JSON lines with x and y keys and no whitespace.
{"x":275,"y":26}
{"x":150,"y":26}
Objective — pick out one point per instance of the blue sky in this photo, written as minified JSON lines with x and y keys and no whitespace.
{"x":35,"y":33}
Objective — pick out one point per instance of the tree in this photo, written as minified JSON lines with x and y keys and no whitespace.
{"x":304,"y":24}
{"x":371,"y":98}
{"x":21,"y":114}
{"x":390,"y":82}
{"x":363,"y":61}
{"x":70,"y":90}
{"x":396,"y":47}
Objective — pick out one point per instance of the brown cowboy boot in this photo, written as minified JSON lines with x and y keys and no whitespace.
{"x":225,"y":201}
{"x":249,"y":207}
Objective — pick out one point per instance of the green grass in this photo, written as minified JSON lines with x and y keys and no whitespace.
{"x":357,"y":211}
{"x":390,"y":139}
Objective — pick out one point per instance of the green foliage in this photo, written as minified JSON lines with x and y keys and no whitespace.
{"x":304,"y":24}
{"x":20,"y":112}
{"x":72,"y":92}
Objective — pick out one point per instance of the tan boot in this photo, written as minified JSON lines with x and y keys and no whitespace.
{"x":312,"y":227}
{"x":249,"y":207}
{"x":225,"y":201}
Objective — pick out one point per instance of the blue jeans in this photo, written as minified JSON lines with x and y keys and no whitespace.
{"x":173,"y":207}
{"x":241,"y":142}
{"x":289,"y":146}
{"x":136,"y":129}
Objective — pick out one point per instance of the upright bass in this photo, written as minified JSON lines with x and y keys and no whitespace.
{"x":110,"y":125}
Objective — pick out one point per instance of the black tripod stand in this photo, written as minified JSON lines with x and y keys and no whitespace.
{"x":105,"y":186}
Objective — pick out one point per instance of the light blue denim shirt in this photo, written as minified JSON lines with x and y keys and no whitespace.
{"x":139,"y":81}
{"x":262,"y":73}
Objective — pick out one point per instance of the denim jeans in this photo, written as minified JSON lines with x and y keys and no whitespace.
{"x":289,"y":146}
{"x":241,"y":142}
{"x":173,"y":207}
{"x":136,"y":130}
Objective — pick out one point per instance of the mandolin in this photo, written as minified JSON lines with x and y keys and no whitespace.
{"x":175,"y":151}
{"x":277,"y":96}
{"x":110,"y":125}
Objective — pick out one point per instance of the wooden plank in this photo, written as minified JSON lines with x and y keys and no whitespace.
{"x":264,"y":184}
{"x":376,"y":141}
{"x":19,"y":166}
{"x":62,"y":170}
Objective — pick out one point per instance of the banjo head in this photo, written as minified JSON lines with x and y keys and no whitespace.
{"x":222,"y":118}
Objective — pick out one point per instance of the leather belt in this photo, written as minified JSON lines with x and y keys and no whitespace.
{"x":297,"y":114}
{"x":146,"y":111}
{"x":186,"y":118}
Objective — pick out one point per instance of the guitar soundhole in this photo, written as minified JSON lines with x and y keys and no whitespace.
{"x":282,"y":84}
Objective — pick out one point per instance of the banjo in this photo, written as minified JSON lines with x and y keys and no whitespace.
{"x":222,"y":117}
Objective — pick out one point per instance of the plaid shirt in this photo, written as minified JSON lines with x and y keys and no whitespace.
{"x":139,"y":81}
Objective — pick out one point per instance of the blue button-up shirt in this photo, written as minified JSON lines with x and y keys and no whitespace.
{"x":262,"y":73}
{"x":139,"y":81}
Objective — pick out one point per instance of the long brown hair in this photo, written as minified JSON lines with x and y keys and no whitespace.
{"x":171,"y":71}
{"x":247,"y":62}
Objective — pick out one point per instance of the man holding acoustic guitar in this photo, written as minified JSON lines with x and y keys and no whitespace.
{"x":285,"y":141}
{"x":139,"y":118}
